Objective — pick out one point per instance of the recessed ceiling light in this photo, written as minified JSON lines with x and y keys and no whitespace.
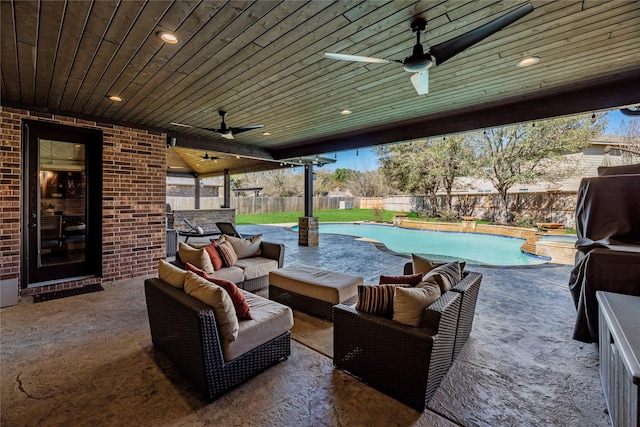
{"x":526,"y":62}
{"x":115,"y":98}
{"x":345,"y":112}
{"x":266,"y":133}
{"x":168,"y":37}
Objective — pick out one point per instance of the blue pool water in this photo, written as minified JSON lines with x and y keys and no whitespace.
{"x":472,"y":247}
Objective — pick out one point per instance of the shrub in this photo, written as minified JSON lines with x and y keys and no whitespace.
{"x":378,"y":213}
{"x":447,"y":215}
{"x":524,"y":221}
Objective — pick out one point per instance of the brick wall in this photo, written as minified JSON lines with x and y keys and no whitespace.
{"x":134,"y":187}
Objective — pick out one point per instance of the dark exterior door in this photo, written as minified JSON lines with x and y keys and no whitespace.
{"x":62,"y":205}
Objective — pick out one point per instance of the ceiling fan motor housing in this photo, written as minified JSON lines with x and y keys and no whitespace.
{"x":418,"y":61}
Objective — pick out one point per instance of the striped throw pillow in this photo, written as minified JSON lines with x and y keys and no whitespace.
{"x":377,"y":299}
{"x":228,"y":254}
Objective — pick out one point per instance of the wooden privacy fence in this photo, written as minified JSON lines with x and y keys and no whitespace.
{"x":259,"y":205}
{"x":543,"y":207}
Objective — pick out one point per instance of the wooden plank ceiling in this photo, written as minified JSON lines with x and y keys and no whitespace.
{"x":262,"y":62}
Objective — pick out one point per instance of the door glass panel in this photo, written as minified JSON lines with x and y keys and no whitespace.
{"x":62,"y":217}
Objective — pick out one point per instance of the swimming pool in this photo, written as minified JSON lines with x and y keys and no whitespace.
{"x":475,"y":248}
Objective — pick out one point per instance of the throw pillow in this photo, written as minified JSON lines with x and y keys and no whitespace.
{"x":409,"y":303}
{"x":239,"y":302}
{"x":423,"y":265}
{"x":446,"y":276}
{"x":193,"y":268}
{"x":376,"y":299}
{"x":171,"y":274}
{"x":215,"y":296}
{"x":214,"y":254}
{"x":227,"y":253}
{"x":245,"y":248}
{"x":410,"y":279}
{"x":198,"y":257}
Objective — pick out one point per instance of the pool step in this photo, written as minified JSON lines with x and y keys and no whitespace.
{"x":529,"y":246}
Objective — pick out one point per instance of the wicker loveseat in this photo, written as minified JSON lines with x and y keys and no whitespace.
{"x":252,"y":273}
{"x":406,"y":362}
{"x":186,"y":331}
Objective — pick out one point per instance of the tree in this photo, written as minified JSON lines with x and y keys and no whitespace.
{"x":283,"y":183}
{"x":411,"y":168}
{"x":532,"y":152}
{"x":368,"y":184}
{"x":342,"y":175}
{"x":630,"y":147}
{"x":324,"y":182}
{"x":456,"y":157}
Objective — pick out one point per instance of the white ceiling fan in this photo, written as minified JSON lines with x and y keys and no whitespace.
{"x":419,"y":62}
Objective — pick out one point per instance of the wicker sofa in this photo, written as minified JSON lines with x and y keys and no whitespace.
{"x":406,"y":362}
{"x":250,"y":274}
{"x":185,"y":329}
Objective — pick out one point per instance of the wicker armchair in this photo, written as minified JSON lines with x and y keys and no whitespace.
{"x":404,"y":362}
{"x":185,"y":330}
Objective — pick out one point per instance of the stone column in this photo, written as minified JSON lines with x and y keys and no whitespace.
{"x":308,"y":231}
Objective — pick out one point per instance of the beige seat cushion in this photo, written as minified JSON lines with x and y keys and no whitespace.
{"x":270,"y":320}
{"x":233,"y":274}
{"x":323,"y":285}
{"x":256,"y":267}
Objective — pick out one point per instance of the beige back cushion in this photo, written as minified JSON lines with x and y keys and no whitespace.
{"x":198,"y":257}
{"x":171,"y":274}
{"x":219,"y":299}
{"x":446,"y":276}
{"x":245,"y":248}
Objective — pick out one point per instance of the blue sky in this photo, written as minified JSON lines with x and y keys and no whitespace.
{"x":366,"y":160}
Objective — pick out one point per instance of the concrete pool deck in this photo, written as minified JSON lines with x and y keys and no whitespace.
{"x":88,"y":360}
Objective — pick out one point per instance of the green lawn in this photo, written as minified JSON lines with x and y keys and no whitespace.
{"x":330,"y":215}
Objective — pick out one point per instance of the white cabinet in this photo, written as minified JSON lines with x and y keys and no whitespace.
{"x":619,"y":329}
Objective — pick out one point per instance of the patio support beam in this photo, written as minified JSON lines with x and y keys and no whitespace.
{"x":227,"y":189}
{"x":308,"y":224}
{"x":308,"y":189}
{"x":198,"y":187}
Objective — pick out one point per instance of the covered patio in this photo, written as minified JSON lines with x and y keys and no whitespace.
{"x":519,"y":367}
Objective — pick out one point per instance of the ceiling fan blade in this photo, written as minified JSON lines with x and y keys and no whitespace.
{"x":180,"y":124}
{"x":225,"y":133}
{"x":356,"y":58}
{"x":245,"y":128}
{"x":448,"y":49}
{"x":420,"y":82}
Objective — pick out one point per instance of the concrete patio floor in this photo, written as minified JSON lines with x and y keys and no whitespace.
{"x":88,"y":360}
